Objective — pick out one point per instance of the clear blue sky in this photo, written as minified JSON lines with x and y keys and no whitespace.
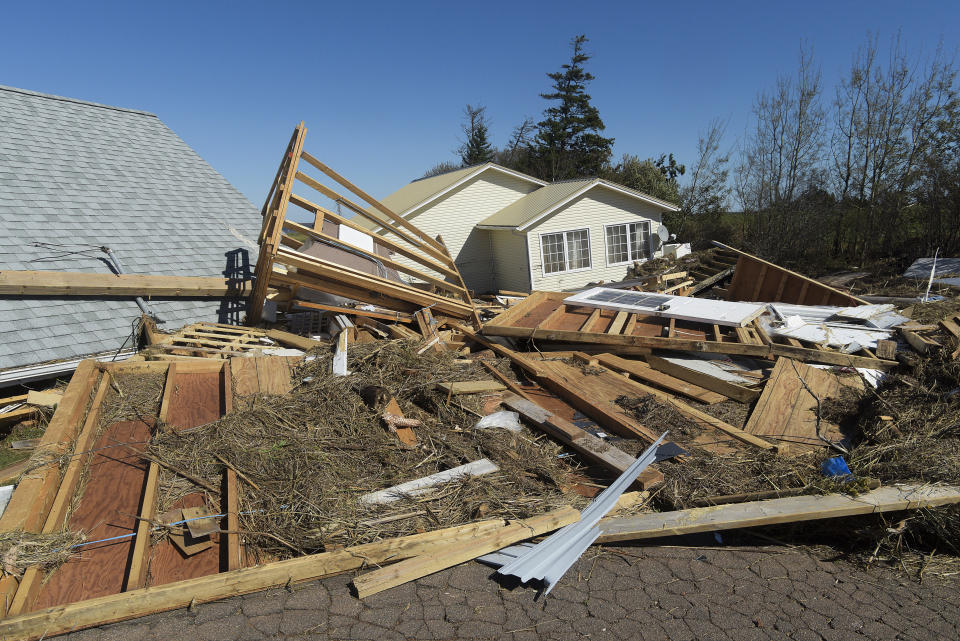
{"x":382,"y":85}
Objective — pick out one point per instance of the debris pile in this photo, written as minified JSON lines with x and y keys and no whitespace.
{"x":373,"y":415}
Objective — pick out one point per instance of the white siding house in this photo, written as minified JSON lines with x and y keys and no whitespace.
{"x":510,"y":231}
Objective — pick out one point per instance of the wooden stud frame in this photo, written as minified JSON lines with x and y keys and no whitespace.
{"x":425,"y":259}
{"x":742,"y":342}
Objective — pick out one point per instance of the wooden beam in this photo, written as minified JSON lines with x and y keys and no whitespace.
{"x":665,"y":380}
{"x":380,"y":239}
{"x":234,"y":551}
{"x":127,"y":605}
{"x":592,"y":448}
{"x":393,"y":216}
{"x":726,"y":388}
{"x":460,"y":552}
{"x":768,"y":352}
{"x":399,"y":317}
{"x":60,"y":284}
{"x":792,"y":509}
{"x":30,"y":504}
{"x":294,"y":340}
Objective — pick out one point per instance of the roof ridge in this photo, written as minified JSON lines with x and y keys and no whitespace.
{"x":87,"y":103}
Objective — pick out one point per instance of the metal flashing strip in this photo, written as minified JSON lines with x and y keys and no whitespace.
{"x":29,"y":373}
{"x":549,"y":560}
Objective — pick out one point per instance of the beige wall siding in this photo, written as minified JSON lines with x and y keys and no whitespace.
{"x":593,"y":210}
{"x":455,"y":215}
{"x":510,"y":261}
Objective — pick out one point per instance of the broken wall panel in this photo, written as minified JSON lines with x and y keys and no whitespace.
{"x":294,"y":256}
{"x":755,"y":279}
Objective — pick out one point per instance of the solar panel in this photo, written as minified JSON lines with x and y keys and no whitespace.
{"x":634,"y":299}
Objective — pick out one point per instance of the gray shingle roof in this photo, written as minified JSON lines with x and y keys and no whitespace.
{"x":78,"y":175}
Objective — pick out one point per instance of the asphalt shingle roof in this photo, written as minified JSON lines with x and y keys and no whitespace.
{"x":76,"y":176}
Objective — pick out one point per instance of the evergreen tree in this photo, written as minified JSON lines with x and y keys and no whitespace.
{"x":568,"y":142}
{"x":476,"y":149}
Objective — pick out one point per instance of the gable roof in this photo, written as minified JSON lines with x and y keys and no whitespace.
{"x":529,"y":210}
{"x":422,"y":191}
{"x":78,"y":175}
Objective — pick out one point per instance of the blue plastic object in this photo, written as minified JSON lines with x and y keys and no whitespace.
{"x":835,"y":466}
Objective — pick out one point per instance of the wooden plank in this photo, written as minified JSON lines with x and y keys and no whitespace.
{"x":700,"y":418}
{"x":325,"y":272}
{"x":273,"y":373}
{"x":794,"y":509}
{"x":666,"y":380}
{"x":768,"y":352}
{"x":61,"y":284}
{"x":460,"y":552}
{"x":591,"y":319}
{"x":705,"y":381}
{"x":592,"y":448}
{"x":127,"y":605}
{"x":139,"y":559}
{"x":787,"y":408}
{"x":244,"y":376}
{"x":618,"y":322}
{"x":195,"y":398}
{"x":399,"y":317}
{"x":234,"y":552}
{"x":587,"y":395}
{"x":630,"y":325}
{"x":30,"y":503}
{"x":44,"y":399}
{"x":17,"y":415}
{"x":401,"y":267}
{"x":471,"y":387}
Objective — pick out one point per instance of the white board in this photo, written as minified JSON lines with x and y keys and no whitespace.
{"x":356,"y":238}
{"x":713,"y":312}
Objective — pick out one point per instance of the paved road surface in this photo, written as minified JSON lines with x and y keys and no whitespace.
{"x":619,"y":593}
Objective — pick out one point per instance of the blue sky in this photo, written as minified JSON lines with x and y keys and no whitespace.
{"x":382,"y":86}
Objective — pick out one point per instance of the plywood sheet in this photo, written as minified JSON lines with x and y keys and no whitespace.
{"x":195,"y":399}
{"x":168,"y":564}
{"x":787,"y":409}
{"x":110,"y":499}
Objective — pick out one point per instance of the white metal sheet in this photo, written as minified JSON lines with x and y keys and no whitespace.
{"x":714,"y":312}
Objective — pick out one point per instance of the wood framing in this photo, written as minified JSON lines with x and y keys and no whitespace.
{"x":430,"y":275}
{"x":758,"y":280}
{"x":524,"y":321}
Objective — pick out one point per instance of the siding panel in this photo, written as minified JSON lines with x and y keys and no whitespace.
{"x":593,"y":210}
{"x":510,"y":261}
{"x":454,"y":218}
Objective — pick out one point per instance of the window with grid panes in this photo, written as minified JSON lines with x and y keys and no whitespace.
{"x":565,"y":251}
{"x":627,"y":242}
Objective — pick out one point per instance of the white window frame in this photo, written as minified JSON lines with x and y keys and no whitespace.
{"x":566,"y":254}
{"x":631,"y":259}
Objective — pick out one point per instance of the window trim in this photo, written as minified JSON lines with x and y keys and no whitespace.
{"x":564,"y":232}
{"x":606,"y":246}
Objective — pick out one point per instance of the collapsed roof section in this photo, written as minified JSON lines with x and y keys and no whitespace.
{"x":76,"y":177}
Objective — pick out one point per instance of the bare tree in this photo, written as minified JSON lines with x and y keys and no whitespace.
{"x":708,"y":190}
{"x":884,"y":120}
{"x":782,"y":155}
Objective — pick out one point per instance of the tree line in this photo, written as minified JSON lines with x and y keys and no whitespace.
{"x":862,"y":171}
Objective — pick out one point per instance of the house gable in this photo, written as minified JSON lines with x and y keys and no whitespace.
{"x":593,"y":209}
